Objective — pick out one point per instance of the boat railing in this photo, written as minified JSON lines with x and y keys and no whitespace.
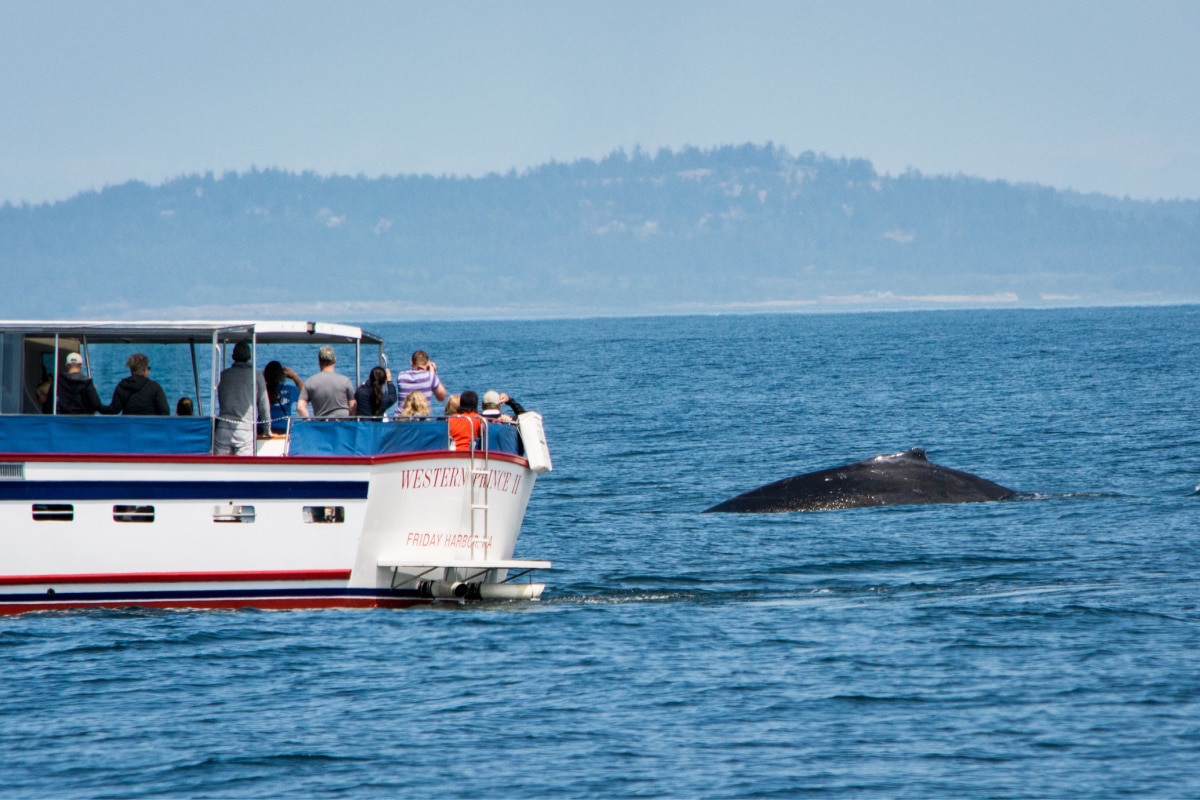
{"x":167,"y":435}
{"x":369,"y":436}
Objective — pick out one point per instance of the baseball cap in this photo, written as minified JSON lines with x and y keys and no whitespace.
{"x":74,"y":358}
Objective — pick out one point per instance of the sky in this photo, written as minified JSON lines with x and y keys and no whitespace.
{"x":1093,"y":96}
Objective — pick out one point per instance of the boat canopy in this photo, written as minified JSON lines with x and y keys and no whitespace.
{"x":167,"y":332}
{"x":32,"y":351}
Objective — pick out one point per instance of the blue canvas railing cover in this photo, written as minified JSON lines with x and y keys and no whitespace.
{"x":88,"y":435}
{"x":336,"y":437}
{"x":152,"y":435}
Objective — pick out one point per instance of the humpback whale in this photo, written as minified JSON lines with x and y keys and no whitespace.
{"x":907,"y":478}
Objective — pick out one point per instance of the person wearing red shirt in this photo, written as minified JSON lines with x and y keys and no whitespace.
{"x":466,"y":425}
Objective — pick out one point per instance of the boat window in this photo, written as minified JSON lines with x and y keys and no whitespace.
{"x":324,"y":514}
{"x":233,"y":513}
{"x":133,"y":513}
{"x":14,"y":472}
{"x":53,"y":512}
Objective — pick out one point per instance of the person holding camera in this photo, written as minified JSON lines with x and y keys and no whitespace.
{"x":420,"y":377}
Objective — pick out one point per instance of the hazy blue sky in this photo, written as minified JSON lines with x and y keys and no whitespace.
{"x":1095,"y":96}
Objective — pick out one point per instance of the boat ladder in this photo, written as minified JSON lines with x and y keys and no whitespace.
{"x":480,"y":470}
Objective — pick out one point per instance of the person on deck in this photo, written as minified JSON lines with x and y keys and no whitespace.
{"x":492,"y":400}
{"x":76,"y":392}
{"x":327,"y":393}
{"x":281,"y":396}
{"x":137,"y":395}
{"x":239,"y":416}
{"x":420,"y":377}
{"x":377,"y":394}
{"x":415,"y":405}
{"x":466,"y":425}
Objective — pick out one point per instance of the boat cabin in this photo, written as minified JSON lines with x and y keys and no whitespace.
{"x":187,"y":359}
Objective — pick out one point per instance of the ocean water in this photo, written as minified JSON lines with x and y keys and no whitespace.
{"x":1043,"y":647}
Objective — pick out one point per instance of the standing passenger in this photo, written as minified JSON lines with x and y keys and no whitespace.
{"x":237,"y":419}
{"x":328,"y":393}
{"x":420,"y":377}
{"x":280,"y":395}
{"x":377,"y":394}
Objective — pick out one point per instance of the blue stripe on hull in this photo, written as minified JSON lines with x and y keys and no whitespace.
{"x":183,"y":490}
{"x":134,"y":597}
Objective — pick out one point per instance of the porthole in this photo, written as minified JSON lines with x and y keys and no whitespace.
{"x":133,"y":513}
{"x":53,"y":512}
{"x":231,"y":512}
{"x":324,"y":514}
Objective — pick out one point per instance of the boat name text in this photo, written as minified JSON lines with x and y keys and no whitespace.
{"x":445,"y":477}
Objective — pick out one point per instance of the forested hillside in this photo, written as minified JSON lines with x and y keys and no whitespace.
{"x":736,"y":227}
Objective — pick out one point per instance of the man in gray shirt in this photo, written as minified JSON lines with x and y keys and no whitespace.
{"x":327,"y":394}
{"x":236,"y":400}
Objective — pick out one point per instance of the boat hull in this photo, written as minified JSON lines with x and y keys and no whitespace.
{"x":271,"y":533}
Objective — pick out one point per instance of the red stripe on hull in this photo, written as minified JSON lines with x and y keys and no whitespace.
{"x":99,"y":458}
{"x":180,"y":577}
{"x":265,"y":604}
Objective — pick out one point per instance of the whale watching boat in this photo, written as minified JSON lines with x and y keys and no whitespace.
{"x":121,"y":511}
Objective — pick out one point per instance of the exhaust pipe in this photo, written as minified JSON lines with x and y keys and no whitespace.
{"x":447,"y":590}
{"x":511,"y":591}
{"x":462,"y":591}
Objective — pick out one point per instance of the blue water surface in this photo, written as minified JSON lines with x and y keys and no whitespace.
{"x":1042,"y":647}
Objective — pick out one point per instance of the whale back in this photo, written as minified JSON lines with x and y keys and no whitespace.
{"x":906,"y":478}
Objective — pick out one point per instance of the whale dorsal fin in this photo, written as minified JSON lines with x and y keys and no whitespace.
{"x":917,"y":452}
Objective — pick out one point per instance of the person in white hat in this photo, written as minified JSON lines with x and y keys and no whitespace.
{"x":492,"y":400}
{"x":76,"y":392}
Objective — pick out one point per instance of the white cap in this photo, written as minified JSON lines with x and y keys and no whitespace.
{"x":491,"y":398}
{"x":74,"y":358}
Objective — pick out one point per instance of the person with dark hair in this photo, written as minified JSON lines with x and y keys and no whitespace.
{"x":466,"y":425}
{"x":137,"y":394}
{"x":242,"y":405}
{"x":377,"y":393}
{"x":280,"y":396}
{"x":184,"y":407}
{"x":76,"y":392}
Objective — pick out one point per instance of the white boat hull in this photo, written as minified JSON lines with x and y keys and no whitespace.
{"x":265,"y":532}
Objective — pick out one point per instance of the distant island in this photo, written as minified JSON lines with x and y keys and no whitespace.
{"x":742,"y":229}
